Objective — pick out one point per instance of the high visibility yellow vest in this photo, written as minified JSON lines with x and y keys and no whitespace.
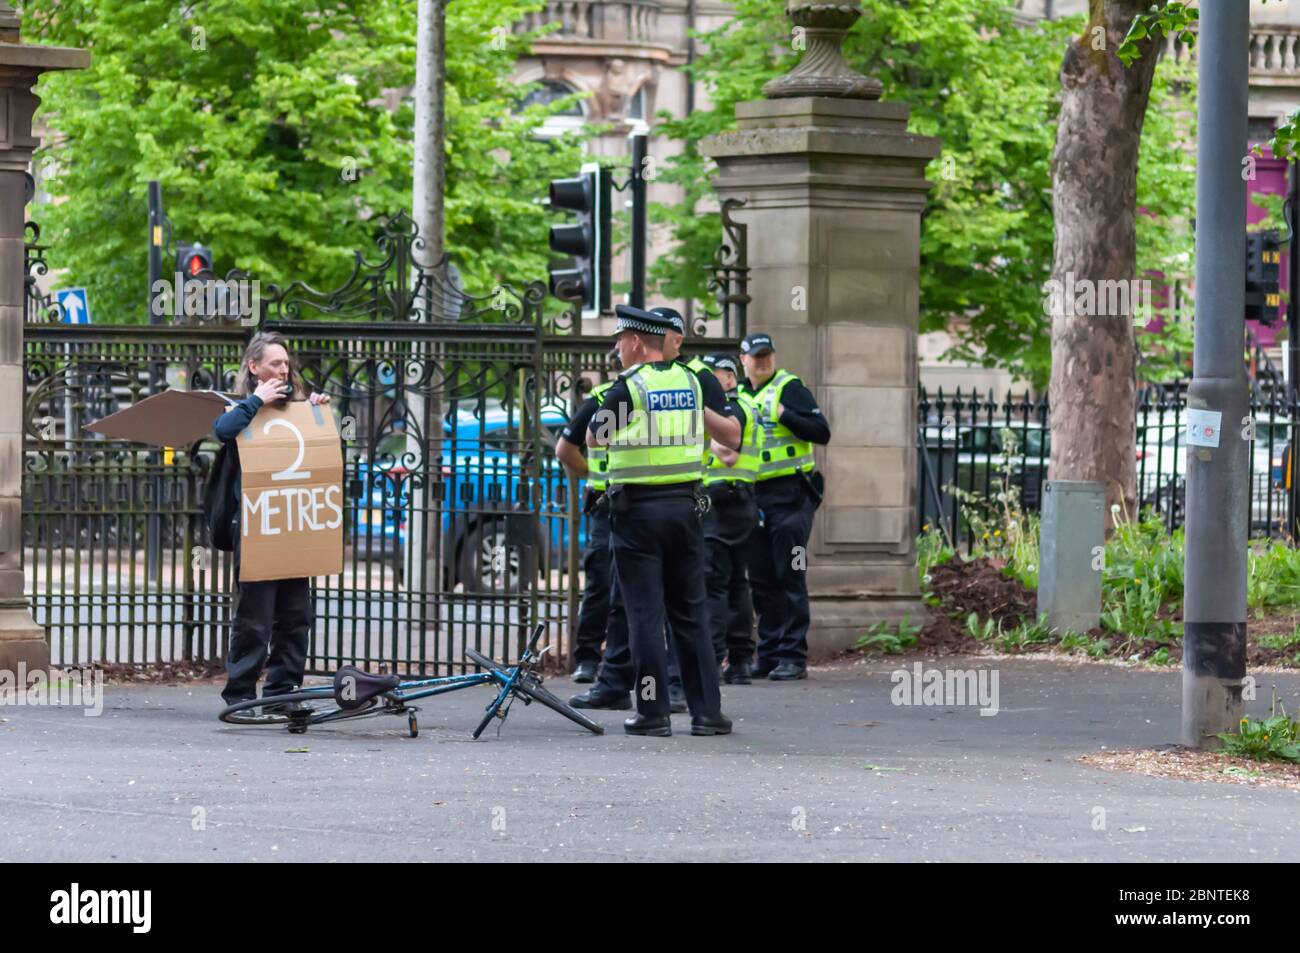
{"x":746,"y":468}
{"x":598,"y":457}
{"x":782,"y":452}
{"x":696,"y":364}
{"x":662,"y":441}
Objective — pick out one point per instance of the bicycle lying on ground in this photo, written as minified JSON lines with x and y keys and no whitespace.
{"x":359,"y":694}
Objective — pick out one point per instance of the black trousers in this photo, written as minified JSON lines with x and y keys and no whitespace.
{"x":727,"y":529}
{"x":731,"y":608}
{"x":598,"y":572}
{"x":615,"y":672}
{"x":274,"y":619}
{"x":777,"y":552}
{"x":659,"y":561}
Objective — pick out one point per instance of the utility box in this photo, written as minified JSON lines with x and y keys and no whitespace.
{"x":1070,"y":542}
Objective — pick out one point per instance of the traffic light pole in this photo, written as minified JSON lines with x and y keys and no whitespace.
{"x":1218,"y":475}
{"x":636,"y":298}
{"x":155,"y":245}
{"x":153,"y":560}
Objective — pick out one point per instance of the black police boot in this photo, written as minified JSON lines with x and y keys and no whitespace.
{"x":787,"y":672}
{"x":737,"y":673}
{"x":718,"y":724}
{"x":660,"y":726}
{"x":600,"y":697}
{"x":584,"y":673}
{"x":762,"y":669}
{"x":676,"y":699}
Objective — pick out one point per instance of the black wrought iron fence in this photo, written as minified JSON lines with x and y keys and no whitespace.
{"x":971,"y":443}
{"x":460,"y":526}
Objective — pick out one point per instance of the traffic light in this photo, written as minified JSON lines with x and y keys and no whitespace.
{"x":586,"y":241}
{"x":194,"y":261}
{"x":1263,"y":263}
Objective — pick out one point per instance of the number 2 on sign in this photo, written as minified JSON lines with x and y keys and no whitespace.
{"x":291,"y":472}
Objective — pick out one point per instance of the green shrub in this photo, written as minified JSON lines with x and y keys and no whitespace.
{"x":887,"y":638}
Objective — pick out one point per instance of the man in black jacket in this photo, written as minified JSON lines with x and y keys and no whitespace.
{"x":788,"y":491}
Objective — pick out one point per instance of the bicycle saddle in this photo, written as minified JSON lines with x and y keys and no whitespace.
{"x":353,"y":688}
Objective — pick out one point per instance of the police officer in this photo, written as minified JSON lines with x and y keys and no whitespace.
{"x":654,"y":421}
{"x":788,"y":490}
{"x":614,"y":678}
{"x":594,"y":611}
{"x":729,"y":478}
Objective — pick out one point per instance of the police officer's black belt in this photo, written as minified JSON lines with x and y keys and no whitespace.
{"x":652,"y":491}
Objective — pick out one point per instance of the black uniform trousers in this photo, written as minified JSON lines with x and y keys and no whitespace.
{"x":275,"y":619}
{"x":728,"y":526}
{"x":598,"y":572}
{"x":659,"y":561}
{"x":777,"y":557}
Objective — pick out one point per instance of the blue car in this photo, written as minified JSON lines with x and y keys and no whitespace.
{"x":480,"y":486}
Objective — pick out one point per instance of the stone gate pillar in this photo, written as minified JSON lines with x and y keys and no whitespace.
{"x":833,"y":187}
{"x":21,"y":639}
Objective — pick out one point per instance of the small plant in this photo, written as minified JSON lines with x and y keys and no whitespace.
{"x":983,"y":630}
{"x":889,"y":639}
{"x":1161,"y":656}
{"x":1280,"y":640}
{"x":1026,"y":634}
{"x":1275,"y":738}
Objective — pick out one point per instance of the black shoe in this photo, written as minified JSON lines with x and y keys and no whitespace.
{"x":601,"y":697}
{"x":788,"y":672}
{"x":660,"y":726}
{"x":762,"y":669}
{"x":676,"y":700}
{"x":718,"y":724}
{"x":737,"y":673}
{"x":584,"y":673}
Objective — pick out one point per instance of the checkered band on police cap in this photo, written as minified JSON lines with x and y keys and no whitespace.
{"x":721,"y":362}
{"x":671,"y":314}
{"x":635,"y":319}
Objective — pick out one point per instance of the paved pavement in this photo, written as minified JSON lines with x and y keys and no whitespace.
{"x":157,"y":777}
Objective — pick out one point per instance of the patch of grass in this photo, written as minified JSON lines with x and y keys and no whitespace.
{"x":1275,"y":738}
{"x":888,"y":638}
{"x":1279,"y":640}
{"x":1094,"y":648}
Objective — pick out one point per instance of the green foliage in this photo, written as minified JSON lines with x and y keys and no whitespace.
{"x":1160,"y":22}
{"x":932,"y":549}
{"x":1275,"y":738}
{"x":1094,"y":648}
{"x":887,"y":638}
{"x":253,"y":114}
{"x":1002,"y":528}
{"x":990,"y":90}
{"x":1273,"y":577}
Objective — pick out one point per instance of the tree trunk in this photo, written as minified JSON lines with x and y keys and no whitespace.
{"x":1094,"y":195}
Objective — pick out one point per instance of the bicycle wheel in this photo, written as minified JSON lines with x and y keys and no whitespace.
{"x":531,"y":687}
{"x":262,"y":711}
{"x":487,"y":719}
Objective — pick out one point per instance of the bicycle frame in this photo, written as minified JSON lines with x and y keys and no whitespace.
{"x":512,"y":681}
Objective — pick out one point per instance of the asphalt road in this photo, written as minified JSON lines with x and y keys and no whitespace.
{"x":157,"y":777}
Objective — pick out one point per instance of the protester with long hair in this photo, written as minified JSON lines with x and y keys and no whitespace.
{"x":274,"y":618}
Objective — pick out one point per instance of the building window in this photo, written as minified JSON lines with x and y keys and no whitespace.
{"x":636,"y":104}
{"x":568,"y":120}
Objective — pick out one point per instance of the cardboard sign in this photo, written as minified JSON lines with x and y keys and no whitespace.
{"x":291,"y":506}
